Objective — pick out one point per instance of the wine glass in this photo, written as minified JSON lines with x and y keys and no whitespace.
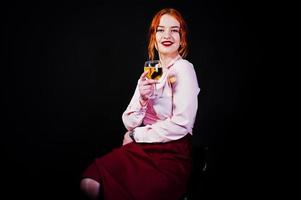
{"x":155,"y":71}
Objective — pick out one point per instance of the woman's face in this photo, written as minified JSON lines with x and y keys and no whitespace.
{"x":168,"y":36}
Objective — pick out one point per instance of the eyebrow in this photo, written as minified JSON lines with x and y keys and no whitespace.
{"x":170,"y":27}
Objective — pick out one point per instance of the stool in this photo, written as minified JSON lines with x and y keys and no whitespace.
{"x":199,"y":169}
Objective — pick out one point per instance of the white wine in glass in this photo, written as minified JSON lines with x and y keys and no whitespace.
{"x":154,"y":69}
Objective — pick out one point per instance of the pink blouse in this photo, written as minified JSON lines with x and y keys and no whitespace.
{"x":170,"y":113}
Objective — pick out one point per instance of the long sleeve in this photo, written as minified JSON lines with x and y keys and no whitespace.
{"x":134,"y":114}
{"x":185,"y":90}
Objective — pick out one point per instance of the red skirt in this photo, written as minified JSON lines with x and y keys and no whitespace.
{"x":144,"y":171}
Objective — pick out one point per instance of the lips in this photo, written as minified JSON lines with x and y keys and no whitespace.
{"x":167,"y":43}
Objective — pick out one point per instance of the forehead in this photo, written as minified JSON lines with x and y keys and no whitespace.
{"x":168,"y":20}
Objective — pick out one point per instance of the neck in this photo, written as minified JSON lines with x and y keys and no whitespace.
{"x":166,"y":59}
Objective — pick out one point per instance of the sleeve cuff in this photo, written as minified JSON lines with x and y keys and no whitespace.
{"x":146,"y":135}
{"x":139,"y":134}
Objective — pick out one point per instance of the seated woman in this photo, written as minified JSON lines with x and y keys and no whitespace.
{"x":154,"y":162}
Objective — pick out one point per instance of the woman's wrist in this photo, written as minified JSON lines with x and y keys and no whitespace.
{"x":132,"y":135}
{"x":143,"y":102}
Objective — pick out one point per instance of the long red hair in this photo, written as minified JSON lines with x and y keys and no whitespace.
{"x":183,"y":49}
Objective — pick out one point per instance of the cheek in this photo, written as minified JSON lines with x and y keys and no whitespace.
{"x":177,"y":42}
{"x":178,"y":45}
{"x":177,"y":39}
{"x":158,"y":38}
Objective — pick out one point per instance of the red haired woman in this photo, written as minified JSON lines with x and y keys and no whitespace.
{"x":154,"y":162}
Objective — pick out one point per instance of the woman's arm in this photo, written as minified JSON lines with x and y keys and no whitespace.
{"x":135,"y":112}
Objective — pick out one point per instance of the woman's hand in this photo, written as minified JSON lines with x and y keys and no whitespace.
{"x":146,"y":87}
{"x":126,"y":138}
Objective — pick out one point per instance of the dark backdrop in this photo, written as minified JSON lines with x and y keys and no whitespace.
{"x":70,"y":69}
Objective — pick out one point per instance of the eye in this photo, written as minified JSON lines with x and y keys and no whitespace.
{"x":160,"y":30}
{"x":175,"y":31}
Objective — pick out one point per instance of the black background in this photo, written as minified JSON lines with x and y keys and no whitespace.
{"x":70,"y":69}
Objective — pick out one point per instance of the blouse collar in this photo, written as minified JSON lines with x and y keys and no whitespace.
{"x":173,"y":61}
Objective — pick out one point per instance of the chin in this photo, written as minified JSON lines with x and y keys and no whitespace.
{"x":168,"y":51}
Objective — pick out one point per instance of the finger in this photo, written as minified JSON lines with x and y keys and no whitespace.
{"x":151,"y":82}
{"x":147,"y":88}
{"x":148,"y":82}
{"x":143,"y":75}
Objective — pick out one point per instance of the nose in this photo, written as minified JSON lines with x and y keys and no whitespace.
{"x":166,"y":34}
